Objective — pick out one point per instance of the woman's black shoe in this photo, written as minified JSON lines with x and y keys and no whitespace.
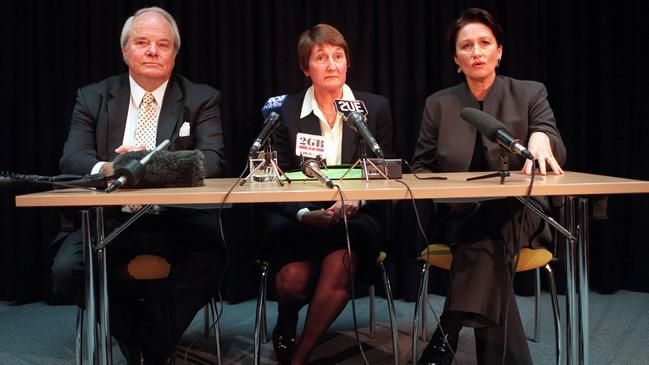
{"x":283,"y":345}
{"x":440,"y":349}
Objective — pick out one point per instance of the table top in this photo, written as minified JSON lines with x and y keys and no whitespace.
{"x":454,"y":187}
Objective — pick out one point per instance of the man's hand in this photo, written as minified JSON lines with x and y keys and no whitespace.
{"x":107,"y":169}
{"x":124,"y":149}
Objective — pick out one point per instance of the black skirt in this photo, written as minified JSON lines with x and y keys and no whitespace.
{"x":287,"y":240}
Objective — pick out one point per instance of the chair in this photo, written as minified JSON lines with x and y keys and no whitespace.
{"x":439,"y":255}
{"x":152,"y":267}
{"x":261,"y":334}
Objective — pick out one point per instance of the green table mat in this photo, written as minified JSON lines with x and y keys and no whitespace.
{"x":334,"y":173}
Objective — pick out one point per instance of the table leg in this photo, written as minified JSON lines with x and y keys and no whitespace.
{"x":104,"y":330}
{"x":91,"y":329}
{"x":582,"y":272}
{"x":572,"y":321}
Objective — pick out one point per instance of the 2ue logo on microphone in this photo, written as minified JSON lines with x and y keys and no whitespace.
{"x":309,"y":145}
{"x":348,"y":106}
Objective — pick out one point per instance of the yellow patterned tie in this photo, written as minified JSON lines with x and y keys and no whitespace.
{"x":145,"y":133}
{"x":147,"y":125}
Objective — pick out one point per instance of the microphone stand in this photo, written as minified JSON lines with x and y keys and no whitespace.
{"x":503,"y":172}
{"x":268,"y":162}
{"x":364,"y":161}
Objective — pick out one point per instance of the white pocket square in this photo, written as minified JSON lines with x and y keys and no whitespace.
{"x":184,"y":130}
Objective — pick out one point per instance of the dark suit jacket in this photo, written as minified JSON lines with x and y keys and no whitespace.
{"x":446,"y":141}
{"x":99,"y":118}
{"x":379,"y":122}
{"x":479,"y":280}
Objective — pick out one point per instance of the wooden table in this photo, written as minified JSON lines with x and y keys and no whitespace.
{"x":574,"y":185}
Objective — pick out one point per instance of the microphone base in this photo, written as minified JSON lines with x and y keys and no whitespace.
{"x":371,"y":172}
{"x":500,"y":173}
{"x":267,"y":161}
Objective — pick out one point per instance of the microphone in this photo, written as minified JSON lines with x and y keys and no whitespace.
{"x":311,"y":168}
{"x":495,"y":131}
{"x":167,"y":169}
{"x":356,"y":121}
{"x":270,"y":111}
{"x":133,"y":170}
{"x":354,"y":113}
{"x":271,"y":122}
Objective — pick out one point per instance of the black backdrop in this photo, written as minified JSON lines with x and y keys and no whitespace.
{"x":591,"y":57}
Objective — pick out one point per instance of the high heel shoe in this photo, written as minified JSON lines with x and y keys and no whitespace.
{"x":283,"y":344}
{"x":440,"y":349}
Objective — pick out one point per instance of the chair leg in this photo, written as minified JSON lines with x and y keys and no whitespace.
{"x":421,"y":293}
{"x":79,"y":339}
{"x":206,"y":321}
{"x":372,"y":314}
{"x":424,"y":309}
{"x":555,"y":309}
{"x":537,"y":306}
{"x":217,"y":330}
{"x":264,"y":317}
{"x":391,"y":313}
{"x":260,"y":315}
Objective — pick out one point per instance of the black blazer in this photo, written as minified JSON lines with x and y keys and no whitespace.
{"x":379,"y":122}
{"x":446,"y":141}
{"x":99,"y":118}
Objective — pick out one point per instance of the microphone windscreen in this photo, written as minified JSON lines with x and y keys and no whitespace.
{"x":483,"y":122}
{"x":168,"y":169}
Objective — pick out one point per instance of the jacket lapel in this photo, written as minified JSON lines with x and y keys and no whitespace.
{"x":310,"y":125}
{"x":491,"y":106}
{"x":170,"y":113}
{"x":350,"y":144}
{"x":117,"y":111}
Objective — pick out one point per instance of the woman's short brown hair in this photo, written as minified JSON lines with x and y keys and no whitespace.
{"x":473,"y":15}
{"x":319,"y":34}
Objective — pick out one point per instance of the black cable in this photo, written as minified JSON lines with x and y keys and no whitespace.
{"x":226,"y":267}
{"x":48,"y":180}
{"x":351,"y":272}
{"x":428,"y":254}
{"x":510,"y":285}
{"x":423,"y":178}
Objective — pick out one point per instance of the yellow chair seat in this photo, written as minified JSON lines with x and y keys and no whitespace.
{"x":148,"y":267}
{"x":439,"y":255}
{"x":530,"y":259}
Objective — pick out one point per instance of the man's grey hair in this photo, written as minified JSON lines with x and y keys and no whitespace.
{"x":128,"y":26}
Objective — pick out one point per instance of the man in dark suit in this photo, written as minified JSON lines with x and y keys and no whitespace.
{"x":137,"y":111}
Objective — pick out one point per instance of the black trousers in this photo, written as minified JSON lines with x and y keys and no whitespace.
{"x":484,"y":239}
{"x":151,"y":317}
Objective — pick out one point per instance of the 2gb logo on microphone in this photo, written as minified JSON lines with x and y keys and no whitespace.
{"x":309,"y":145}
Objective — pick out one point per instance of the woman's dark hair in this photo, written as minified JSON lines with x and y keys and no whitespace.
{"x":473,"y":15}
{"x":319,"y":34}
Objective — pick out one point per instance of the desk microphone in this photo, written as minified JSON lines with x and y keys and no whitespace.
{"x":133,"y":171}
{"x":495,"y":131}
{"x":311,"y":168}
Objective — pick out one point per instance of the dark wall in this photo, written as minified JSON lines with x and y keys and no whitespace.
{"x":589,"y":56}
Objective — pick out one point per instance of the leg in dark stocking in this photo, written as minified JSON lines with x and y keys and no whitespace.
{"x":293,"y":283}
{"x":442,"y":346}
{"x":329,"y":298}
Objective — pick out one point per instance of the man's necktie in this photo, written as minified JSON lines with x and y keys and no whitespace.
{"x":145,"y":133}
{"x":147,"y":125}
